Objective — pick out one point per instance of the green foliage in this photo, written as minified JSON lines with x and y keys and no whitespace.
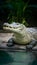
{"x":16,"y":10}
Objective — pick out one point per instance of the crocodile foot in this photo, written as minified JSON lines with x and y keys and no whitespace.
{"x":31,"y":45}
{"x":10,"y":42}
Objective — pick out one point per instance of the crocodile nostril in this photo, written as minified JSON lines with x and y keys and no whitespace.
{"x":10,"y":27}
{"x":17,"y":23}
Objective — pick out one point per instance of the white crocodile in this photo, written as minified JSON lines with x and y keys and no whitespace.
{"x":22,"y":34}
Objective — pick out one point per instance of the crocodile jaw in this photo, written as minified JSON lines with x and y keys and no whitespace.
{"x":7,"y":28}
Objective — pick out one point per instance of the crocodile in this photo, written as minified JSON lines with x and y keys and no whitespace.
{"x":21,"y":34}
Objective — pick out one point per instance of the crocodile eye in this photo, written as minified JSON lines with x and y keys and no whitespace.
{"x":17,"y":23}
{"x":10,"y":27}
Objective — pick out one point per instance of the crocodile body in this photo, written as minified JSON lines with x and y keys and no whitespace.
{"x":22,"y":34}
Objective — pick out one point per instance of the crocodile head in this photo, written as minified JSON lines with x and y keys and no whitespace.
{"x":14,"y":27}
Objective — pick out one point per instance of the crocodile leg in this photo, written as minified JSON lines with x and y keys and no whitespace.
{"x":31,"y":45}
{"x":10,"y":42}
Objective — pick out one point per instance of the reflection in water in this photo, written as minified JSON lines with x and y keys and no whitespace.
{"x":5,"y":58}
{"x":17,"y":58}
{"x":26,"y":58}
{"x":35,"y":60}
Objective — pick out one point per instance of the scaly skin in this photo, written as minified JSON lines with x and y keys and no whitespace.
{"x":21,"y":34}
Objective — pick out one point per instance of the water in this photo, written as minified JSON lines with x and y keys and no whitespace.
{"x":17,"y":58}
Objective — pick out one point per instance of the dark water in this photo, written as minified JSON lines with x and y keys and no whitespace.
{"x":17,"y":58}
